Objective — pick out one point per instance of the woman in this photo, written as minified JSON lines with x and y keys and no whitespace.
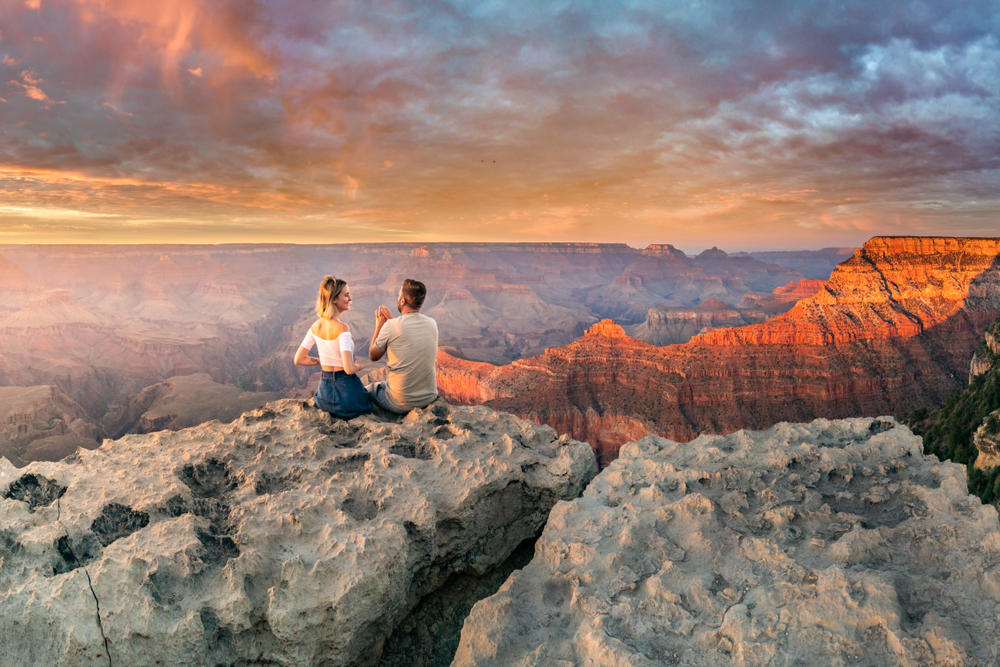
{"x":340,"y":392}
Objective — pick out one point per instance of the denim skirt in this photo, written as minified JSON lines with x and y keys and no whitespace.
{"x":342,"y":395}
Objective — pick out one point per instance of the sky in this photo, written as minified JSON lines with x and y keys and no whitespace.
{"x":747,"y":125}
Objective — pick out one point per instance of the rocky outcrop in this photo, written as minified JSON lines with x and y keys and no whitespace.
{"x":181,"y":402}
{"x":43,"y":424}
{"x":987,"y":355}
{"x":987,"y":442}
{"x":816,"y":264}
{"x":53,"y":308}
{"x":283,"y":538}
{"x":830,"y":543}
{"x":891,"y":331}
{"x":17,"y":287}
{"x":672,"y":326}
{"x":782,"y":298}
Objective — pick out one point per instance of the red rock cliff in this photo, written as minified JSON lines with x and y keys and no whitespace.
{"x":892,"y":330}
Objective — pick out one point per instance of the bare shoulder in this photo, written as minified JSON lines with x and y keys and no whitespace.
{"x":328,"y":329}
{"x":336,"y":327}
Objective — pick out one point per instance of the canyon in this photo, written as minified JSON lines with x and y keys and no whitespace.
{"x":106,"y":324}
{"x":892,"y":330}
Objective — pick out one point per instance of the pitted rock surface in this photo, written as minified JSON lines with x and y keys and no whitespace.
{"x":829,"y":543}
{"x":284,"y":538}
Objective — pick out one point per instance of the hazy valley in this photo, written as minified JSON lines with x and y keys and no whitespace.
{"x":114,"y":328}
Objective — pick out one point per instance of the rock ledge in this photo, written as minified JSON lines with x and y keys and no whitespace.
{"x":830,"y":543}
{"x":284,"y":538}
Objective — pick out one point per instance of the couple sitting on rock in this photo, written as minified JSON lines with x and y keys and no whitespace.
{"x":410,"y":342}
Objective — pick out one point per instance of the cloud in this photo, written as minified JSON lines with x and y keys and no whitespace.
{"x":769,"y":115}
{"x":30,"y":86}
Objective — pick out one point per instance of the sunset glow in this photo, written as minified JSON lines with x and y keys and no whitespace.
{"x":759,"y":125}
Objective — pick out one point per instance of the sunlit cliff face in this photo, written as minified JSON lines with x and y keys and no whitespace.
{"x":749,"y":125}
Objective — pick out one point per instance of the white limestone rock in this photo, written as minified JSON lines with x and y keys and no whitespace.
{"x":284,"y":538}
{"x":830,"y":543}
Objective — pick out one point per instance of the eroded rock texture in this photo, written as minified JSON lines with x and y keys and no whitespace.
{"x":284,"y":538}
{"x":830,"y":543}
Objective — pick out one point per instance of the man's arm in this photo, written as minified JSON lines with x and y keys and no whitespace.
{"x":381,"y":317}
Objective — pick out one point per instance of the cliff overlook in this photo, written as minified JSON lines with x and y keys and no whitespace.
{"x":283,"y":538}
{"x":832,"y":543}
{"x":892,"y":330}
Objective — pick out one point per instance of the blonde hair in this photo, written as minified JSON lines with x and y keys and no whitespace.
{"x":329,"y":290}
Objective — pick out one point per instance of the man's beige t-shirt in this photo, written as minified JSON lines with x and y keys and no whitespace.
{"x":410,"y":342}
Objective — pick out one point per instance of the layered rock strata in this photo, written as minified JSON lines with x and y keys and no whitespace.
{"x":672,"y":326}
{"x":43,"y":424}
{"x":283,"y":538}
{"x":181,"y":402}
{"x":831,"y":543}
{"x":891,"y":331}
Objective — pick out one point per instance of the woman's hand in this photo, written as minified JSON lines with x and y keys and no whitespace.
{"x":382,"y":315}
{"x":351,"y":367}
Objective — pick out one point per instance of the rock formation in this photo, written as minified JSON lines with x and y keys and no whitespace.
{"x":181,"y":402}
{"x":671,"y":326}
{"x":892,"y":330}
{"x":831,"y":543}
{"x":285,"y":537}
{"x":987,"y":356}
{"x":783,"y":298}
{"x":43,"y":424}
{"x":17,"y":287}
{"x":987,"y":441}
{"x":816,"y":264}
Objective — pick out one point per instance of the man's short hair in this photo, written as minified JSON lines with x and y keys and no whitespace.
{"x":414,"y":292}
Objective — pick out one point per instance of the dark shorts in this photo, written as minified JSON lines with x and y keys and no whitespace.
{"x":342,"y":395}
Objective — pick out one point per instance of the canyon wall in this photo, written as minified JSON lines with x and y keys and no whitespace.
{"x":43,"y":424}
{"x":892,"y":330}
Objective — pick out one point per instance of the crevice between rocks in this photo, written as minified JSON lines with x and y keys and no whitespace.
{"x":430,"y":633}
{"x":90,"y":584}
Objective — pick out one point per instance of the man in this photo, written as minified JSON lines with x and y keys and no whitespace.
{"x":410,"y":341}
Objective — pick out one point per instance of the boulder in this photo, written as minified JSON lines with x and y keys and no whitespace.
{"x":284,"y":538}
{"x":828,"y":543}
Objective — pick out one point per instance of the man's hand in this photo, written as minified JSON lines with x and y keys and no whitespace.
{"x":382,"y":315}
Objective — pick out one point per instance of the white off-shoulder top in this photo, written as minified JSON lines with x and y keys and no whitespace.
{"x":330,"y":351}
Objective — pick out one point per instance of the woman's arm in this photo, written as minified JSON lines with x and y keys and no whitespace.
{"x":350,"y":366}
{"x":302,"y":358}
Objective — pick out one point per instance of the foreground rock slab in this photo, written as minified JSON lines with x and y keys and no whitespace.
{"x":829,"y":543}
{"x":284,"y":538}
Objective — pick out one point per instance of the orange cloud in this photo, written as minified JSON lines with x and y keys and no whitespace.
{"x":30,"y":86}
{"x":176,"y":28}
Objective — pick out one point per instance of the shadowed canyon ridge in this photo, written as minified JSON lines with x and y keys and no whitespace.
{"x":113,"y":328}
{"x":892,"y":330}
